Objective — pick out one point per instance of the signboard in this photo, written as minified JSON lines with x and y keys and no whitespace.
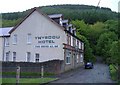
{"x":47,"y":41}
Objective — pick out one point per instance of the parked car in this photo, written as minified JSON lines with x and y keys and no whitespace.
{"x":89,"y":65}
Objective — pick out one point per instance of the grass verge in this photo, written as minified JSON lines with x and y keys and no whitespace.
{"x":37,"y":74}
{"x":29,"y":81}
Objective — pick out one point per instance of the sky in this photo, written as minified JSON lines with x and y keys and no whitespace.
{"x":22,"y":5}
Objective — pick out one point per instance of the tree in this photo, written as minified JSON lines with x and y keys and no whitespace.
{"x":115,"y":52}
{"x":88,"y":56}
{"x":104,"y":44}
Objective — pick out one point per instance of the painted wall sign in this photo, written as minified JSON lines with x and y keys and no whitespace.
{"x":45,"y":41}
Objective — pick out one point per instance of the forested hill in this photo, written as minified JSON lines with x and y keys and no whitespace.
{"x":90,"y":14}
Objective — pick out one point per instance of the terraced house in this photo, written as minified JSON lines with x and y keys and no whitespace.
{"x":40,"y":38}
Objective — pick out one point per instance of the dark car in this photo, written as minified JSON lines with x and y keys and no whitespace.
{"x":88,"y":65}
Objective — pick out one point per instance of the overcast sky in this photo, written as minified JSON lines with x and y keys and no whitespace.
{"x":22,"y":5}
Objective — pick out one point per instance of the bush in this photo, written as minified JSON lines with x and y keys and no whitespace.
{"x":113,"y":72}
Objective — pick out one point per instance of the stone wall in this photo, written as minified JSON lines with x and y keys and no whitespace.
{"x":54,"y":66}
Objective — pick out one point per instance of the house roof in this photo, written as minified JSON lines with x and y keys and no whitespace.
{"x":5,"y":31}
{"x":64,"y":21}
{"x":55,"y":15}
{"x":36,"y":9}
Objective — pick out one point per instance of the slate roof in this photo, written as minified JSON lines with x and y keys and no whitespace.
{"x":55,"y":15}
{"x":5,"y":31}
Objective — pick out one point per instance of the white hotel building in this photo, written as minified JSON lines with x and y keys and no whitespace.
{"x":40,"y":38}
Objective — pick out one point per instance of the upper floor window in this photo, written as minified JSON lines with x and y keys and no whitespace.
{"x":68,"y":40}
{"x":82,"y":46}
{"x":6,"y":41}
{"x":15,"y":39}
{"x":77,"y":43}
{"x":29,"y":38}
{"x":74,"y":42}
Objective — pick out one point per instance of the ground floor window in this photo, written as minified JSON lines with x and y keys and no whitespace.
{"x":77,"y":58}
{"x":7,"y":56}
{"x":14,"y":56}
{"x":81,"y":57}
{"x":68,"y":57}
{"x":37,"y":57}
{"x":28,"y":56}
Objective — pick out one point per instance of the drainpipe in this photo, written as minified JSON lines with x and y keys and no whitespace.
{"x":3,"y":48}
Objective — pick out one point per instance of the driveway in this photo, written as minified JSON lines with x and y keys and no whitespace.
{"x":100,"y":74}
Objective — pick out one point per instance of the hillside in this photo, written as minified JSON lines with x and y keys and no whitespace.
{"x":90,"y":14}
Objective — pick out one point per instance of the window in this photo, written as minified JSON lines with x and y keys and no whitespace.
{"x":28,"y":56}
{"x":68,"y":40}
{"x":15,"y":39}
{"x":77,"y":58}
{"x":82,"y":46}
{"x":77,"y":43}
{"x":81,"y":57}
{"x":6,"y":41}
{"x":74,"y":42}
{"x":36,"y":57}
{"x":14,"y":56}
{"x":29,"y":38}
{"x":68,"y":55}
{"x":7,"y":56}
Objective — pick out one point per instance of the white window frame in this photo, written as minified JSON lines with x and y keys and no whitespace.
{"x":6,"y":41}
{"x":77,"y":58}
{"x":28,"y":56}
{"x":7,"y":56}
{"x":37,"y":59}
{"x":15,"y":39}
{"x":80,"y":44}
{"x":29,"y":38}
{"x":68,"y":57}
{"x":14,"y":56}
{"x":81,"y":57}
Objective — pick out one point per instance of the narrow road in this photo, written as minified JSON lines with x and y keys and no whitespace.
{"x":99,"y":74}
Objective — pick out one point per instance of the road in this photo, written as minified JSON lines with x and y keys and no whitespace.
{"x":100,"y":74}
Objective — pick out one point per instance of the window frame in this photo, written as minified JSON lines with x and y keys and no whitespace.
{"x":68,"y":58}
{"x":14,"y":39}
{"x":7,"y":41}
{"x":14,"y":56}
{"x":37,"y":59}
{"x":81,"y":58}
{"x":29,"y":38}
{"x":28,"y":58}
{"x":7,"y":55}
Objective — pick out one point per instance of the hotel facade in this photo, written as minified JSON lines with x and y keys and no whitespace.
{"x":40,"y":38}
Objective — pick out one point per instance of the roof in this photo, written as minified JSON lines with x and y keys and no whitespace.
{"x":5,"y":31}
{"x":55,"y":15}
{"x":36,"y":9}
{"x":64,"y":21}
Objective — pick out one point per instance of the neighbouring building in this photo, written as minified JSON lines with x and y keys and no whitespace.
{"x":40,"y":38}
